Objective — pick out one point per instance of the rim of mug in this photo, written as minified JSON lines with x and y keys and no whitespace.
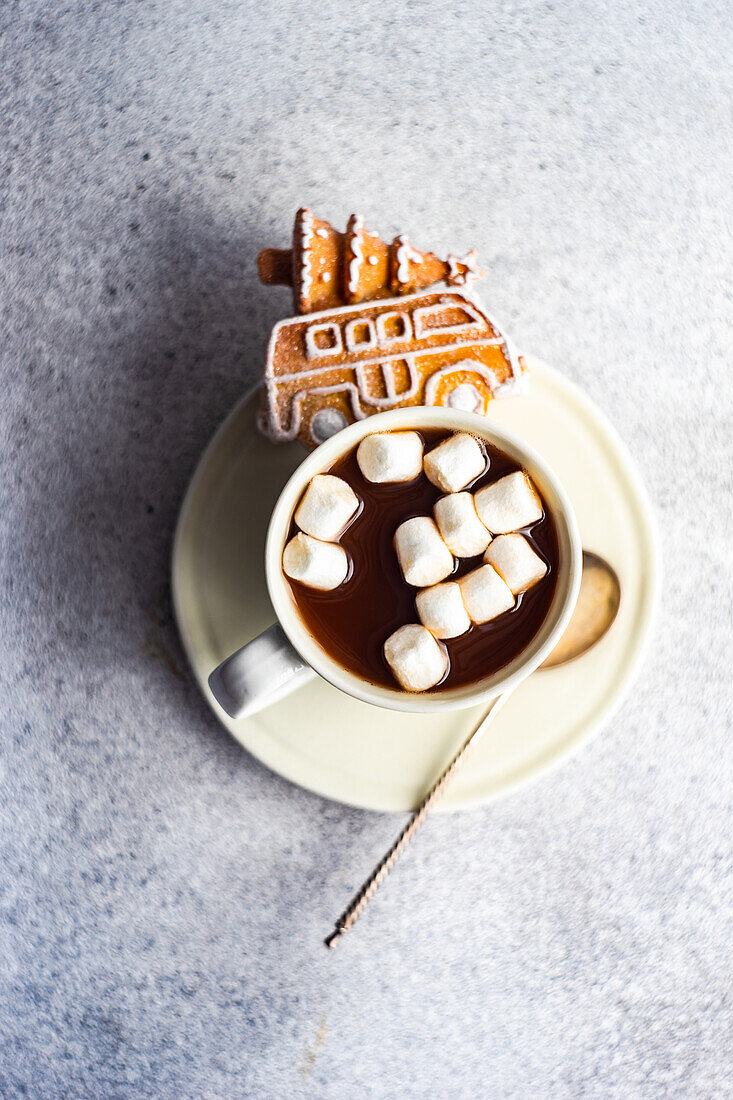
{"x":467,"y":695}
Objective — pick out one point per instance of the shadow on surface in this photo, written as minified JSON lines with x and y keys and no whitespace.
{"x":160,"y":349}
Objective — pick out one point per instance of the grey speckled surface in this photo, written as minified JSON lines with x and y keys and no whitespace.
{"x":163,"y":896}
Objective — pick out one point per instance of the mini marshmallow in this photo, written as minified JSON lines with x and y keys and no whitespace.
{"x":508,"y":504}
{"x":314,"y":563}
{"x":516,"y":562}
{"x":390,"y":456}
{"x":417,"y":661}
{"x":326,"y":507}
{"x":423,"y":556}
{"x":485,"y":594}
{"x":452,"y":465}
{"x":463,"y":532}
{"x":442,"y":611}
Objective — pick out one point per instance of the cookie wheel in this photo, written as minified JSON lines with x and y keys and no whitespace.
{"x":463,"y":386}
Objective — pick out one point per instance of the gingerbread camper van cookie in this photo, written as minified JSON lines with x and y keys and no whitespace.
{"x":330,"y":368}
{"x":327,"y":268}
{"x":371,"y":335}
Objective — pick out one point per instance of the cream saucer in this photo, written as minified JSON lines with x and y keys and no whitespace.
{"x":366,"y":756}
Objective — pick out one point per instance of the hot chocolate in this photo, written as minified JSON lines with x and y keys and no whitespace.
{"x":465,"y":555}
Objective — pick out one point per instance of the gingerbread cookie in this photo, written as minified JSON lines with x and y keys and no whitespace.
{"x":317,"y":258}
{"x":327,"y":268}
{"x":367,"y":266}
{"x":327,"y":370}
{"x":412,"y":270}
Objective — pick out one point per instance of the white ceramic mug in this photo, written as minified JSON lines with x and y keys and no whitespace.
{"x":283,"y":657}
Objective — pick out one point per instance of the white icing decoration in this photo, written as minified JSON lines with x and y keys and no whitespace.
{"x":513,"y":387}
{"x":305,"y":243}
{"x":387,"y":363}
{"x":463,"y":269}
{"x":316,"y":371}
{"x":326,"y":277}
{"x":323,"y":233}
{"x":405,"y":254}
{"x":472,"y":365}
{"x":312,"y":349}
{"x":389,"y":377}
{"x":351,"y":330}
{"x":510,"y":352}
{"x":356,"y":253}
{"x":466,"y":398}
{"x":372,"y":260}
{"x":277,"y":427}
{"x":420,"y":316}
{"x":348,"y":388}
{"x":384,"y":338}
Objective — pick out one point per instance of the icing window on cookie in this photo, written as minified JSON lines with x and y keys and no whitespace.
{"x":360,"y":334}
{"x":400,"y":378}
{"x":323,"y":340}
{"x":445,"y":319}
{"x":373,"y":385}
{"x":393,"y":327}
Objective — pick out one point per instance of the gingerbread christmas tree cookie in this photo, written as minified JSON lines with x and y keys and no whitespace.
{"x":326,"y":268}
{"x":366,"y":270}
{"x":412,"y":270}
{"x":318,"y":251}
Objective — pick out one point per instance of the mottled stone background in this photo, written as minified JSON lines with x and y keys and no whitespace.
{"x":163,"y":896}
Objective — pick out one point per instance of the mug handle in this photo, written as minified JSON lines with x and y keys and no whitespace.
{"x":260,"y":673}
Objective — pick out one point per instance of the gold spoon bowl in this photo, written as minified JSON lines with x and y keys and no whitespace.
{"x":598,"y":602}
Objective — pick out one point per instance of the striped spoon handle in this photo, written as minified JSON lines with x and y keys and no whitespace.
{"x":360,"y":900}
